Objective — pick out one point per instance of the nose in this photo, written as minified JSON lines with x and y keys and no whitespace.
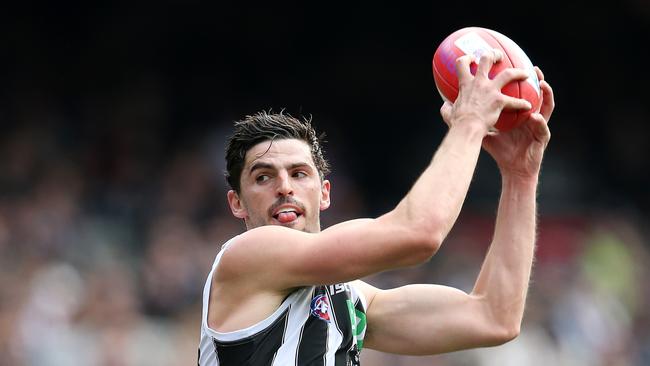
{"x":284,"y":187}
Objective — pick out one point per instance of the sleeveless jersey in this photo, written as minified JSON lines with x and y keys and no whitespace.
{"x":314,"y":325}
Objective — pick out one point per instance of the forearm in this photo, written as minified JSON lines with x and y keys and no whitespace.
{"x":435,"y":200}
{"x":504,"y":277}
{"x":413,"y":317}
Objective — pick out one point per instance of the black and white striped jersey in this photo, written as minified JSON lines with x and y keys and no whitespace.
{"x":314,"y":325}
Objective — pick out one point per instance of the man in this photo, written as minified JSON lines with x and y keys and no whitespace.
{"x":286,"y":293}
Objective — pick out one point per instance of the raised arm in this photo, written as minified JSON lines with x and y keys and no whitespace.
{"x":411,"y":233}
{"x":429,"y":319}
{"x":505,"y":274}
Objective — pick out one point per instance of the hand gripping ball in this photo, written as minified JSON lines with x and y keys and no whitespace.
{"x":474,"y":41}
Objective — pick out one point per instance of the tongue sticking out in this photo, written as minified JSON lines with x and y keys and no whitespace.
{"x":285,"y":217}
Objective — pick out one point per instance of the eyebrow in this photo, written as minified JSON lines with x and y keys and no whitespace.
{"x":261,"y":165}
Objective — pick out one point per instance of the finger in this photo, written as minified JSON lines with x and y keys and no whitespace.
{"x":487,"y":60}
{"x":509,"y":75}
{"x":516,"y":103}
{"x":548,"y":100}
{"x":462,"y":68}
{"x":540,"y":129}
{"x":445,"y":112}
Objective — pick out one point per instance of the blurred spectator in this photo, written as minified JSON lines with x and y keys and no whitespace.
{"x":88,"y":279}
{"x":107,"y":234}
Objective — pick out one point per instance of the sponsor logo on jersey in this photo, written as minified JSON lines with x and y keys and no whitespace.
{"x":339,"y":288}
{"x":320,"y":307}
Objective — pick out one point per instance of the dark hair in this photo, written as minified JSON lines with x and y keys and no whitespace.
{"x":267,"y":126}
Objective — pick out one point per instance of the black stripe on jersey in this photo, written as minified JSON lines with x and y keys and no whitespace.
{"x":340,"y":308}
{"x":313,"y":343}
{"x":256,"y":350}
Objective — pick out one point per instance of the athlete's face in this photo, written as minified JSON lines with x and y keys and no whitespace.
{"x":280,"y":185}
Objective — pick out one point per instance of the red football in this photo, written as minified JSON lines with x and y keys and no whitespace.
{"x":475,"y":40}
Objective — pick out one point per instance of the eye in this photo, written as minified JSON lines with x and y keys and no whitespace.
{"x":299,"y":174}
{"x":262,"y":178}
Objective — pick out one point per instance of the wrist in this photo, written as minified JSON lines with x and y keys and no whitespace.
{"x":469,"y":127}
{"x":518,"y":179}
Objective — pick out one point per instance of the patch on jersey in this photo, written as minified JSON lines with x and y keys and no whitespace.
{"x":320,"y":307}
{"x":358,"y":321}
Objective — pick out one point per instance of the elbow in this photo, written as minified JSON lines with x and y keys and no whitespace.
{"x":426,"y":246}
{"x":430,"y":234}
{"x":513,"y":333}
{"x":508,"y":334}
{"x":420,"y":239}
{"x":433,"y":243}
{"x":423,"y":232}
{"x":502,"y":334}
{"x":496,"y":324}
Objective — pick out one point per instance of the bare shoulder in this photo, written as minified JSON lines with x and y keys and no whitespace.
{"x":238,"y":296}
{"x":251,"y":250}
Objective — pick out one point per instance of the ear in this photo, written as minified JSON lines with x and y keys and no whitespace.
{"x":325,"y":195}
{"x":236,"y":205}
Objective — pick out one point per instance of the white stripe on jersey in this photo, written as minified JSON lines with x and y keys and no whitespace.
{"x":298,"y":315}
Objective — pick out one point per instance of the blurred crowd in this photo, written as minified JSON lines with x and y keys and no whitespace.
{"x":106,"y":236}
{"x":102,"y":262}
{"x":588,"y":303}
{"x":112,"y":196}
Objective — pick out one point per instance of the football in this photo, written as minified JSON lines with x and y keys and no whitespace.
{"x":474,"y":41}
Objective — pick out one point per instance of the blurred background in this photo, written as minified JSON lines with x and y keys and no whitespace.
{"x":112,"y":196}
